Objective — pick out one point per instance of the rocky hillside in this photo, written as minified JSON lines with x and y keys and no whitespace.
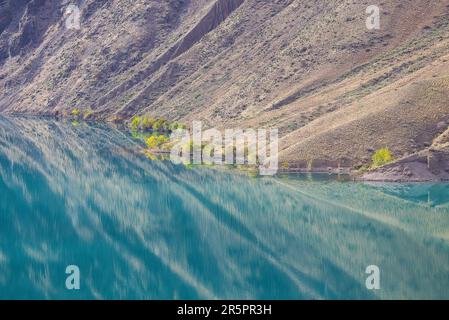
{"x":336,"y":90}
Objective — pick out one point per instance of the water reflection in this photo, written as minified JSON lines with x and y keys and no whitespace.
{"x":434,"y":195}
{"x":139,"y":229}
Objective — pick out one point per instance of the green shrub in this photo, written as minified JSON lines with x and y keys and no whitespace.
{"x":174,"y":126}
{"x":161,"y":140}
{"x":75,"y":112}
{"x":382,"y":157}
{"x":155,"y":142}
{"x":146,"y":123}
{"x":160,"y":124}
{"x":135,"y":123}
{"x":152,"y":142}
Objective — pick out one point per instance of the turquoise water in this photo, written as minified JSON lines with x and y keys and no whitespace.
{"x":81,"y":195}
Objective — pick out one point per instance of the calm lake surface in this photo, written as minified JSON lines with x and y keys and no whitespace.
{"x":73,"y":194}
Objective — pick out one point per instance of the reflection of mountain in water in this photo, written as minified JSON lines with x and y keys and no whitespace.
{"x":140,"y":229}
{"x":430,"y":194}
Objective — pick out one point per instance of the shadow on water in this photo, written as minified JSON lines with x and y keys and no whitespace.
{"x":137,"y":229}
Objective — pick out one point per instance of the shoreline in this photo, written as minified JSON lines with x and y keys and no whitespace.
{"x":428,"y":166}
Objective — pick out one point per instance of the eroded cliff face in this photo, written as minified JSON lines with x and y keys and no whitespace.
{"x":9,"y":10}
{"x":312,"y":69}
{"x":115,"y":36}
{"x":23,"y":25}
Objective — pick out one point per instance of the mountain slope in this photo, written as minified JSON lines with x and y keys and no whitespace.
{"x":336,"y":90}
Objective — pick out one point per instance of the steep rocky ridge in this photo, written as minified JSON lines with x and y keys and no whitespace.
{"x":336,"y":90}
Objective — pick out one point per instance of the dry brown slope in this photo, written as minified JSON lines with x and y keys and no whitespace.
{"x":404,"y":116}
{"x":310,"y":68}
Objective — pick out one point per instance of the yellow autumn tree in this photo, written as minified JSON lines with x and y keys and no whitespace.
{"x":382,"y":157}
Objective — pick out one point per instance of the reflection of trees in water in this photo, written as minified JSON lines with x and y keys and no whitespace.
{"x":150,"y":229}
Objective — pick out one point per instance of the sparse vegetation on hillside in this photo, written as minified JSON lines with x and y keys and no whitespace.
{"x":77,"y":115}
{"x":147,"y":123}
{"x":332,"y":89}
